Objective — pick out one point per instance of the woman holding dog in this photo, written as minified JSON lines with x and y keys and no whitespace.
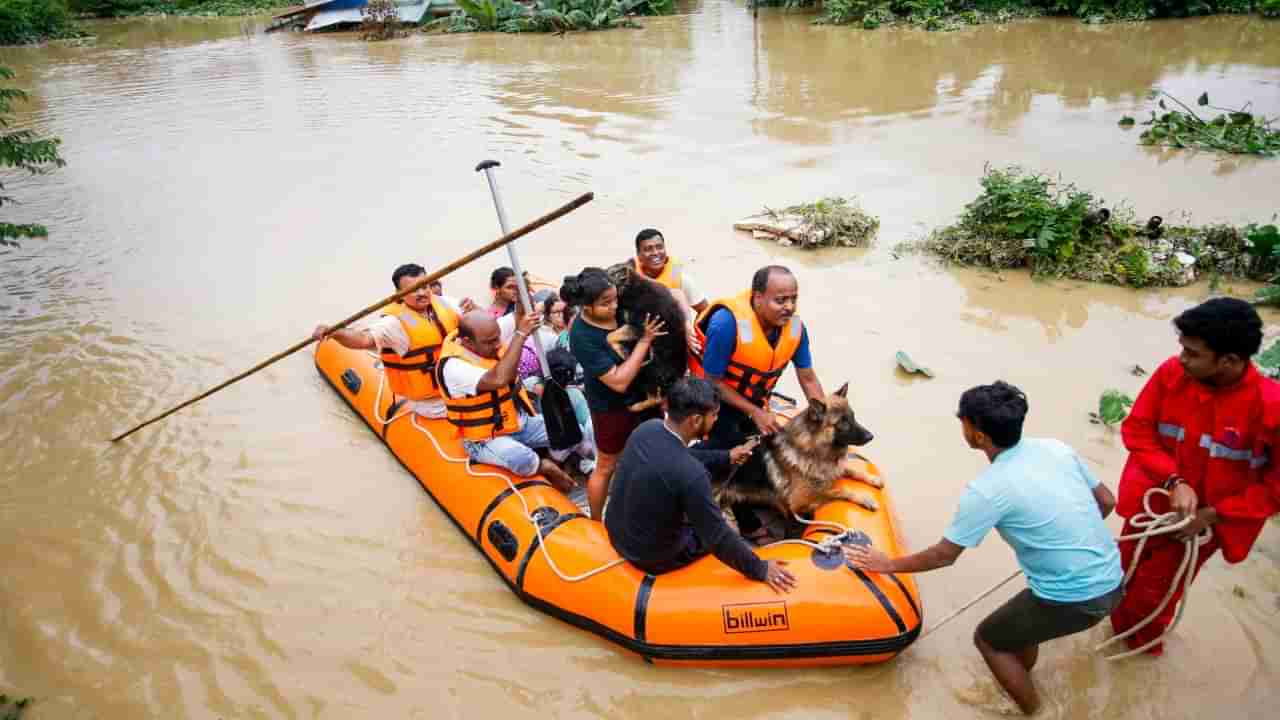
{"x":607,"y":374}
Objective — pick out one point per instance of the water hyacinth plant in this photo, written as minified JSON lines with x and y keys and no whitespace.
{"x":1055,"y":229}
{"x":1234,"y":131}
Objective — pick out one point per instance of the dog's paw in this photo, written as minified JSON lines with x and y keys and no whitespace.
{"x":858,"y":471}
{"x":864,"y":500}
{"x":649,"y":402}
{"x":875,"y":481}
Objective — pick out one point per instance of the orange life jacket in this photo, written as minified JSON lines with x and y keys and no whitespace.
{"x":670,"y":275}
{"x":413,"y":375}
{"x":755,"y":366}
{"x":489,"y":414}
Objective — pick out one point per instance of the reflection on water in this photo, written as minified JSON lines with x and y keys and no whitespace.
{"x":261,"y":555}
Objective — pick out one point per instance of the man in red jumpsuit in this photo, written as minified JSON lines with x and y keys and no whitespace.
{"x":1206,"y":427}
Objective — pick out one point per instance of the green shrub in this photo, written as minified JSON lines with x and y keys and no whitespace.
{"x":127,"y":8}
{"x":548,"y":15}
{"x":29,"y":21}
{"x":948,"y":14}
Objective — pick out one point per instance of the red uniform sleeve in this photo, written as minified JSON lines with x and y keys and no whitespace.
{"x":1260,"y":500}
{"x":1139,"y":430}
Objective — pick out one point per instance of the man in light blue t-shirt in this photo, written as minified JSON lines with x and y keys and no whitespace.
{"x":1047,"y":505}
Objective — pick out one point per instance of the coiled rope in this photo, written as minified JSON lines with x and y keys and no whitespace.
{"x":1152,"y":524}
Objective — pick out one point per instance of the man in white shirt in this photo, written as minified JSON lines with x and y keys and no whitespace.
{"x":484,"y":399}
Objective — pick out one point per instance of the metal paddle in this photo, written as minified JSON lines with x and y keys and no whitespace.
{"x":563,"y":431}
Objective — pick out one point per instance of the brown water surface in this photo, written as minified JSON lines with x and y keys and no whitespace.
{"x":263,"y":556}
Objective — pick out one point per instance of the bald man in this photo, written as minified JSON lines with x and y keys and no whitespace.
{"x":484,"y":399}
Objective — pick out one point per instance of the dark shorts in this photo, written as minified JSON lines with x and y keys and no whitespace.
{"x":1027,"y":620}
{"x":613,"y":427}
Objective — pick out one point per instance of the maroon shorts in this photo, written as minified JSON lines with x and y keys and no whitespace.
{"x":613,"y":427}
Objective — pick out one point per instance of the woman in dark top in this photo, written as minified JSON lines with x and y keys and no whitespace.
{"x":607,"y":375}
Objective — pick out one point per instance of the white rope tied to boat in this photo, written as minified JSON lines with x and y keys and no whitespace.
{"x":1152,"y":524}
{"x":825,"y":545}
{"x":377,"y":403}
{"x":528,"y":514}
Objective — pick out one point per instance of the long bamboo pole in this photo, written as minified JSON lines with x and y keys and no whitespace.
{"x":432,"y":277}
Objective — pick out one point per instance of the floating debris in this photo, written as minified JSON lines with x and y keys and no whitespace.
{"x":829,"y":222}
{"x":906,"y":363}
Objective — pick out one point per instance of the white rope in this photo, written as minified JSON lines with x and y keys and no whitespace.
{"x":542,"y":545}
{"x":377,"y":402}
{"x":826,"y":545}
{"x":1152,"y":524}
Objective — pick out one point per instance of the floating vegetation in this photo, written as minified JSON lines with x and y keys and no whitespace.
{"x":13,"y":708}
{"x":1238,"y":132}
{"x":1055,"y":229}
{"x":1113,"y":407}
{"x":829,"y":222}
{"x":1268,"y":361}
{"x":909,"y":366}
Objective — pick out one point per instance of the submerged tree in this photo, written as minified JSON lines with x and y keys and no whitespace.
{"x":25,"y":150}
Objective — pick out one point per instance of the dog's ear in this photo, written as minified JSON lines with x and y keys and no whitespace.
{"x":843,"y":391}
{"x":817,"y":409}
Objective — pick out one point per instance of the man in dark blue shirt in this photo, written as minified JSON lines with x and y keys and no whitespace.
{"x":661,"y":515}
{"x":750,"y":340}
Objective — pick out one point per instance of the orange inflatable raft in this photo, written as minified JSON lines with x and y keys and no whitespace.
{"x":560,"y":562}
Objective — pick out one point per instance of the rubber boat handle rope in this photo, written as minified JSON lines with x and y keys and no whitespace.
{"x":506,"y":239}
{"x":528,"y":513}
{"x":1150,"y":524}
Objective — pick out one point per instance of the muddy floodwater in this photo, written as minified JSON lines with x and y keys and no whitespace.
{"x":262,"y":555}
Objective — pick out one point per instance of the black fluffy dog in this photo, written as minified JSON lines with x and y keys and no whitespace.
{"x":638,"y":298}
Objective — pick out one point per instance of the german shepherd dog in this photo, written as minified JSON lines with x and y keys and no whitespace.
{"x":803,"y":461}
{"x":638,"y":298}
